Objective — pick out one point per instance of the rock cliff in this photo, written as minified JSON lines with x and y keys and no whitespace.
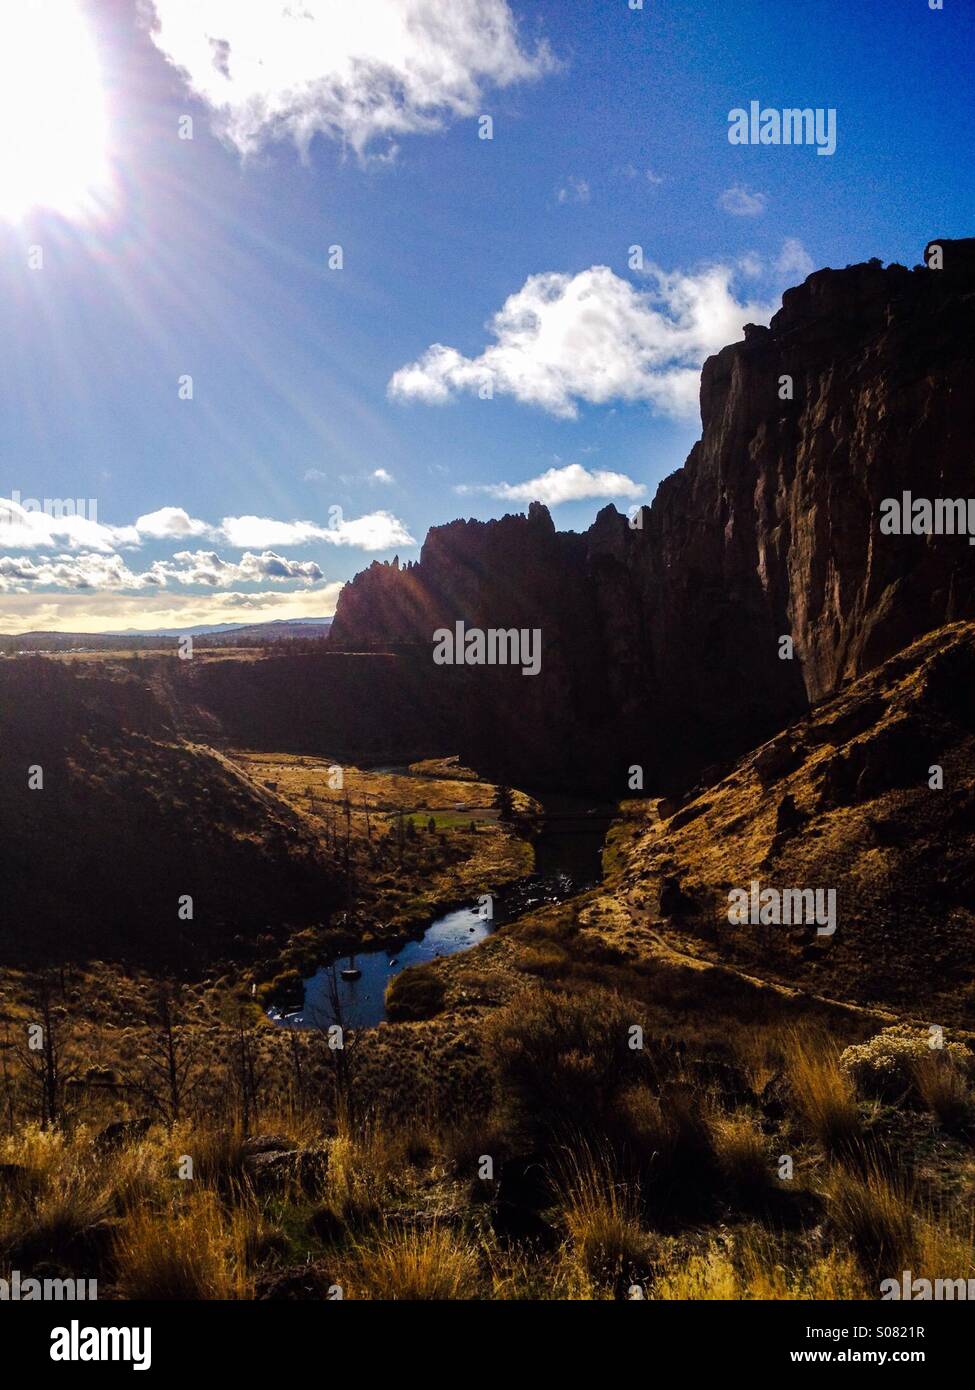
{"x":662,"y":633}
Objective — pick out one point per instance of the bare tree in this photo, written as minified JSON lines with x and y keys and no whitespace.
{"x":40,"y":1055}
{"x":340,"y":1039}
{"x":171,"y":1074}
{"x":246,"y":1073}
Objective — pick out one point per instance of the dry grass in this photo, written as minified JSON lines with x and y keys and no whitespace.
{"x":875,"y":1214}
{"x":407,"y":1263}
{"x":742,"y":1154}
{"x":890,"y":1231}
{"x":195,"y":1249}
{"x":365,"y":1160}
{"x":823,"y":1093}
{"x":122,"y":1216}
{"x":751,"y":1265}
{"x":602,"y":1217}
{"x":66,"y":1194}
{"x":944,"y":1090}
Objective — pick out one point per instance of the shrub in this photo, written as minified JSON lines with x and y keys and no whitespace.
{"x":414,"y":994}
{"x":547,"y":959}
{"x":885,"y":1068}
{"x":563,"y":1058}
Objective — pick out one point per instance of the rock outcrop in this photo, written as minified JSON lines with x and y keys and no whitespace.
{"x":662,"y":633}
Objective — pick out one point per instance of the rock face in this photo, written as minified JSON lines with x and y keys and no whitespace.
{"x":661,"y":640}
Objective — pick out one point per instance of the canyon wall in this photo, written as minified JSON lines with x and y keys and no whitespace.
{"x":661,"y":639}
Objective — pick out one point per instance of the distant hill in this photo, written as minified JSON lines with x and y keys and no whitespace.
{"x":217,"y":635}
{"x":280,"y":627}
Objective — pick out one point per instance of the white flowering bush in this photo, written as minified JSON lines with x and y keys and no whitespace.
{"x":885,"y":1068}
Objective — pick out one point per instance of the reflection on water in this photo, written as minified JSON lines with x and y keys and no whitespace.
{"x":567,"y":860}
{"x":362,"y":1002}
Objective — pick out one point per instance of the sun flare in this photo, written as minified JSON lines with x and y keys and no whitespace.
{"x":53,"y":122}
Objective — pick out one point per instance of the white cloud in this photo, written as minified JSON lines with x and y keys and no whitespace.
{"x":741,"y":203}
{"x":91,"y":570}
{"x":630,"y":171}
{"x":594,"y":337}
{"x":794,"y":259}
{"x":86,"y":570}
{"x":170,"y":523}
{"x":375,"y":531}
{"x":381,"y":476}
{"x":21,"y":529}
{"x":572,"y":483}
{"x":206,"y":567}
{"x":314,"y":475}
{"x":240,"y":531}
{"x":574,"y":191}
{"x":356,"y":71}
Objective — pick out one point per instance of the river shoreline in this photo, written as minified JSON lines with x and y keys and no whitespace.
{"x":567,"y":846}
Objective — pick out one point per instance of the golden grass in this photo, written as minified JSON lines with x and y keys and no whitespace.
{"x":890,"y":1231}
{"x":601,"y":1215}
{"x":194,"y":1249}
{"x":752,"y":1265}
{"x":742,"y":1153}
{"x":66,"y":1192}
{"x":944,"y":1090}
{"x":407,"y":1263}
{"x":875,"y":1214}
{"x":124,"y":1217}
{"x":822,"y":1092}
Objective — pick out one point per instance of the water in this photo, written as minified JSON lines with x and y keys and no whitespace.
{"x":567,"y":861}
{"x":362,"y":1002}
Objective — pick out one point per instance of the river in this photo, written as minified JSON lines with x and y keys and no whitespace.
{"x":568,"y":848}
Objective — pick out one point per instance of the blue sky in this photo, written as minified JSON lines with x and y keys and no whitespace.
{"x":313,"y":389}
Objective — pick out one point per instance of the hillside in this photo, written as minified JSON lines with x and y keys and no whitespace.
{"x":840,"y":800}
{"x":129,"y":818}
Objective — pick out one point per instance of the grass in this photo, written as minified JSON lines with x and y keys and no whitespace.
{"x":411,"y":1263}
{"x":875,"y":1214}
{"x":743,"y":1157}
{"x":752,"y":1264}
{"x":399,"y":1216}
{"x":602,"y":1217}
{"x":823,"y":1093}
{"x":414,"y":994}
{"x":944,"y":1090}
{"x":194,"y":1249}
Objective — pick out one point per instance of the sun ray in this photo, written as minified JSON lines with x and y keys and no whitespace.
{"x":53,"y":117}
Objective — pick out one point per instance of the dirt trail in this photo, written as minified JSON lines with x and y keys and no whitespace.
{"x":646,"y":922}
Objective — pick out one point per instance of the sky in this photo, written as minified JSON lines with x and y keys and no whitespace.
{"x":286,"y":284}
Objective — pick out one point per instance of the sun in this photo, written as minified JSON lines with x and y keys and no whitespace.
{"x":53,"y":119}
